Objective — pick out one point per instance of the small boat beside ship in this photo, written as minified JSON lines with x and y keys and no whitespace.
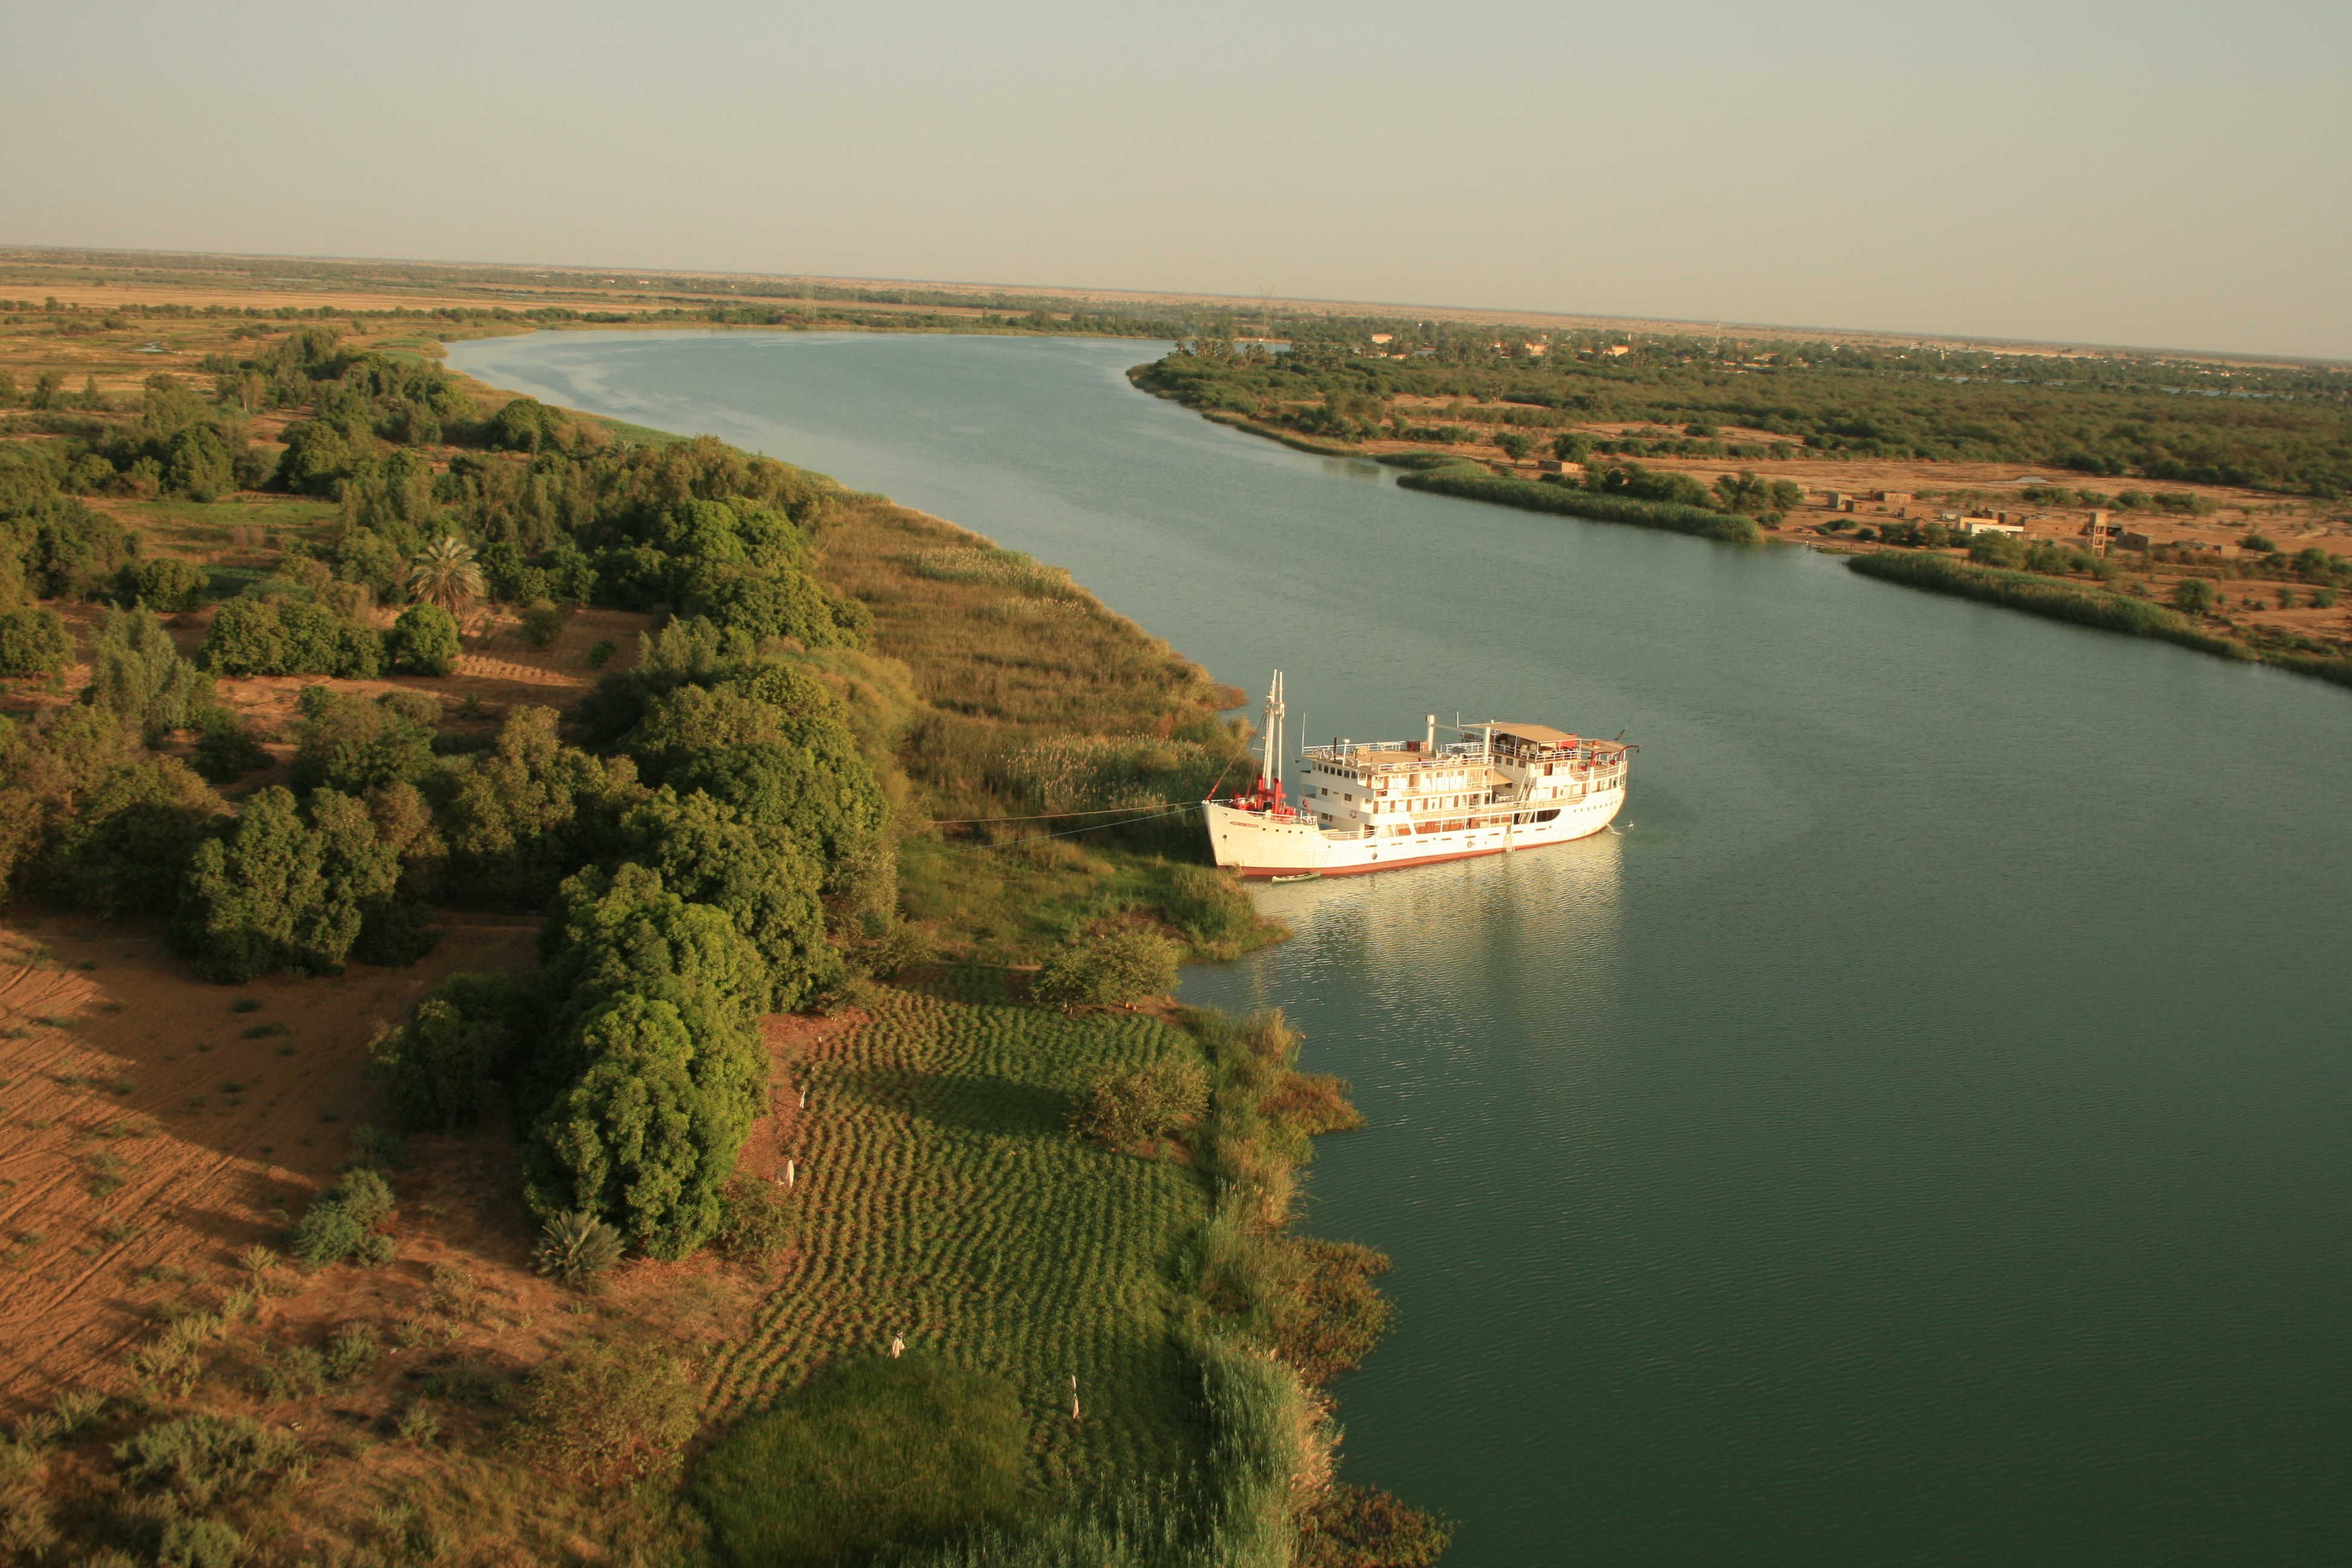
{"x":1379,"y":805}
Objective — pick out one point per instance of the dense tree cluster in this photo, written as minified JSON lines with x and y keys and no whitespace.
{"x":2285,"y":429}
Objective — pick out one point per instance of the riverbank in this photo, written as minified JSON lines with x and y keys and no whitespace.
{"x":1775,"y":1236}
{"x":2089,"y":606}
{"x":1028,"y":780}
{"x":2293,"y":624}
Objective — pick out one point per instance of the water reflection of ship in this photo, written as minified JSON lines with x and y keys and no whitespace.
{"x":1545,"y":927}
{"x":1380,"y":805}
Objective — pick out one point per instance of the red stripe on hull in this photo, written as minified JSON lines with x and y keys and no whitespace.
{"x":1400,"y":865}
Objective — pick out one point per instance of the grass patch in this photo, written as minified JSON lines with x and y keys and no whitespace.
{"x":643,"y":435}
{"x":975,"y":714}
{"x":910,"y":1452}
{"x":945,"y":1200}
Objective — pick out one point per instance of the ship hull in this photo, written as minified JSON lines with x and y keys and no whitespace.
{"x":1262,"y":843}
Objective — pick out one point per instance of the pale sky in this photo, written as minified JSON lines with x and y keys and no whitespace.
{"x":2153,"y":173}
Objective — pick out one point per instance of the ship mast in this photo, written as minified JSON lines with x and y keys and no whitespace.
{"x":1269,"y":775}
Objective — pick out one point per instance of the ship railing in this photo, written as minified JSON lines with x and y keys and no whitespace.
{"x":1445,"y":756}
{"x":1466,"y":754}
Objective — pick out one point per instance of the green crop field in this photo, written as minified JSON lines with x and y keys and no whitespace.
{"x":946,"y":1202}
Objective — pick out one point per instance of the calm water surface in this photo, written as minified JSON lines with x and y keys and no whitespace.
{"x":1920,"y":1137}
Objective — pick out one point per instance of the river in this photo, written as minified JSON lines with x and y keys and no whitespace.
{"x":1920,"y":1137}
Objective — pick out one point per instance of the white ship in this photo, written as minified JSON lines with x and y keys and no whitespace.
{"x":1375,"y":805}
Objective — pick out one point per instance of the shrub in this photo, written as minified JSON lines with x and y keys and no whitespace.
{"x":296,"y":1372}
{"x":378,"y":1150}
{"x":755,"y":1221}
{"x":602,"y":654}
{"x":906,"y":1452}
{"x":1208,"y":906}
{"x":200,"y":1543}
{"x":351,"y":1355}
{"x":1364,"y":1527}
{"x":365,"y":1196}
{"x":203,"y":1458}
{"x":323,"y":1235}
{"x":604,"y":1411}
{"x":896,"y":950}
{"x":1122,"y":1108}
{"x":2195,"y":597}
{"x":542,"y":622}
{"x":1108,"y":965}
{"x":33,"y":642}
{"x":339,"y":1224}
{"x":423,"y":641}
{"x":575,"y":1247}
{"x":2257,"y":542}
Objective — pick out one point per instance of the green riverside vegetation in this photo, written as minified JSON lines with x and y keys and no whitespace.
{"x":1470,"y":482}
{"x":843,"y":771}
{"x":2085,"y":606}
{"x":2284,"y":429}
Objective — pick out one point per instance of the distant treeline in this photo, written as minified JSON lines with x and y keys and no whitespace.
{"x":2282,"y":429}
{"x":85,"y":320}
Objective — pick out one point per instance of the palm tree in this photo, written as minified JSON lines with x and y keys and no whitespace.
{"x":445,"y":573}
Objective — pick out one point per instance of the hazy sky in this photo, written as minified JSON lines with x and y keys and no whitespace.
{"x":2152,"y":173}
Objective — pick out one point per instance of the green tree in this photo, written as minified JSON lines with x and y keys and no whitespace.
{"x":762,"y":877}
{"x":445,"y":573}
{"x":33,"y":641}
{"x":786,"y":603}
{"x":198,"y":464}
{"x":245,"y":639}
{"x":423,"y":641}
{"x":127,"y":844}
{"x":471,"y":1030}
{"x":351,"y":744}
{"x":633,"y":1140}
{"x":227,"y":748}
{"x":525,"y":424}
{"x":137,"y":674}
{"x":774,"y":744}
{"x":162,"y":583}
{"x":317,"y":457}
{"x":533,"y":812}
{"x":622,"y":930}
{"x":293,"y":887}
{"x":1516,"y":444}
{"x":2196,"y":595}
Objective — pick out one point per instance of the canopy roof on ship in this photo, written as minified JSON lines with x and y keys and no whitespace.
{"x":1541,"y":734}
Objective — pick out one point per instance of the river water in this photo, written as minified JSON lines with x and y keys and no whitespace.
{"x":1920,"y":1137}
